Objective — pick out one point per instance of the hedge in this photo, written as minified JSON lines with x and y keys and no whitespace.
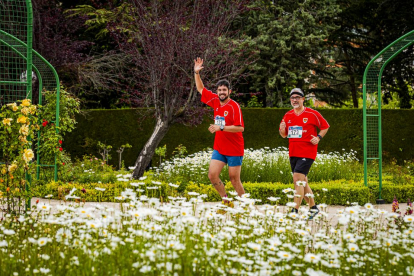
{"x":340,"y":192}
{"x":117,"y":127}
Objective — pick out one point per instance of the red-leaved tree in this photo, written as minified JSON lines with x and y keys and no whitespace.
{"x":153,"y":65}
{"x":162,"y":40}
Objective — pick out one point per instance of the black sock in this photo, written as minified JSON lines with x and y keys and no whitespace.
{"x":294,"y":210}
{"x":314,"y":207}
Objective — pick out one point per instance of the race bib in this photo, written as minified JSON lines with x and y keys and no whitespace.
{"x":295,"y":132}
{"x":220,"y":121}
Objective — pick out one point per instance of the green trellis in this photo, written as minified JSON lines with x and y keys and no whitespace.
{"x":21,"y":67}
{"x":372,"y":109}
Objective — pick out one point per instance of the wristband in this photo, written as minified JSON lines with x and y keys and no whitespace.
{"x":320,"y":137}
{"x":197,"y":73}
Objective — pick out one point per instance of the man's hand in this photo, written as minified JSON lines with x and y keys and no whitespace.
{"x":282,"y":125}
{"x":214,"y":128}
{"x":198,"y":65}
{"x":315,"y":140}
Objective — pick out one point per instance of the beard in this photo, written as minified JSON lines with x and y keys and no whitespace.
{"x":223,"y":99}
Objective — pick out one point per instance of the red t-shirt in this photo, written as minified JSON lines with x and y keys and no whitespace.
{"x":226,"y":143}
{"x":302,"y":126}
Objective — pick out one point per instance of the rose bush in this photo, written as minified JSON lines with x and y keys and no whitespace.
{"x":19,"y":123}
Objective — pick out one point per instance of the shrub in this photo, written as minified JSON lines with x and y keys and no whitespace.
{"x":339,"y":192}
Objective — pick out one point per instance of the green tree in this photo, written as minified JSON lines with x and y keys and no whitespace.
{"x":365,"y":28}
{"x":289,"y":37}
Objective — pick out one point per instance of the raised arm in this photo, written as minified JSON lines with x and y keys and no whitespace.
{"x":198,"y":66}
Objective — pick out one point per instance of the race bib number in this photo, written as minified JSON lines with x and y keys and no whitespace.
{"x":295,"y":132}
{"x":220,"y":121}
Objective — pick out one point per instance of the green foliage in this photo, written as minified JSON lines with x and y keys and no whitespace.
{"x":161,"y":152}
{"x":112,"y":190}
{"x":338,"y":192}
{"x":254,"y":102}
{"x":51,"y":136}
{"x":126,"y":146}
{"x":180,"y":151}
{"x":89,"y":169}
{"x":99,"y":19}
{"x":104,"y":151}
{"x":17,"y":128}
{"x":261,"y":130}
{"x":120,"y":151}
{"x":288,"y":37}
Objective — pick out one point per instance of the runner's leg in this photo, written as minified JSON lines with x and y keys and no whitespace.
{"x":234,"y":174}
{"x":214,"y":175}
{"x":300,"y":190}
{"x":308,"y":190}
{"x":305,"y":191}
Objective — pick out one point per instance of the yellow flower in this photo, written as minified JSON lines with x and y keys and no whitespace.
{"x":26,"y":102}
{"x":22,"y":119}
{"x":7,"y":121}
{"x":25,"y":110}
{"x":12,"y":167}
{"x":13,"y":105}
{"x":28,"y":155}
{"x":24,"y":130}
{"x":3,"y":170}
{"x":32,"y":109}
{"x":23,"y":139}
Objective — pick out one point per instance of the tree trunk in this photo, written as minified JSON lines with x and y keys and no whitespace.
{"x":146,"y":154}
{"x":280,"y":97}
{"x":353,"y":91}
{"x":403,"y":93}
{"x":269,"y":96}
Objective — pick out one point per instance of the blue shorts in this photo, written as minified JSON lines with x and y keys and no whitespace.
{"x":232,"y":161}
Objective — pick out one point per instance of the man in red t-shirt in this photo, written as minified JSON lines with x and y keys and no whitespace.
{"x":300,"y":126}
{"x":228,"y":127}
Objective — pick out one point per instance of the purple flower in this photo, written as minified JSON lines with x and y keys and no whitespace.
{"x":395,"y":205}
{"x":409,"y":210}
{"x":83,"y":190}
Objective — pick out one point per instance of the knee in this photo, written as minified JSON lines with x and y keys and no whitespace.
{"x":298,"y":177}
{"x":212,"y":176}
{"x":234,"y":178}
{"x":295,"y":179}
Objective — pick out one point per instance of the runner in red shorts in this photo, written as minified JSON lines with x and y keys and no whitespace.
{"x":300,"y":125}
{"x":228,"y":127}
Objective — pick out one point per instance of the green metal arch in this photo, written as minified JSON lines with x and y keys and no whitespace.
{"x":372,"y":114}
{"x":39,"y":75}
{"x":16,"y":18}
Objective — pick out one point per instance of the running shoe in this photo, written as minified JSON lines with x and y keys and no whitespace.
{"x":313,"y":213}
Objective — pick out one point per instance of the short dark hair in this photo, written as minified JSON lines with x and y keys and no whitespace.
{"x":225,"y":83}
